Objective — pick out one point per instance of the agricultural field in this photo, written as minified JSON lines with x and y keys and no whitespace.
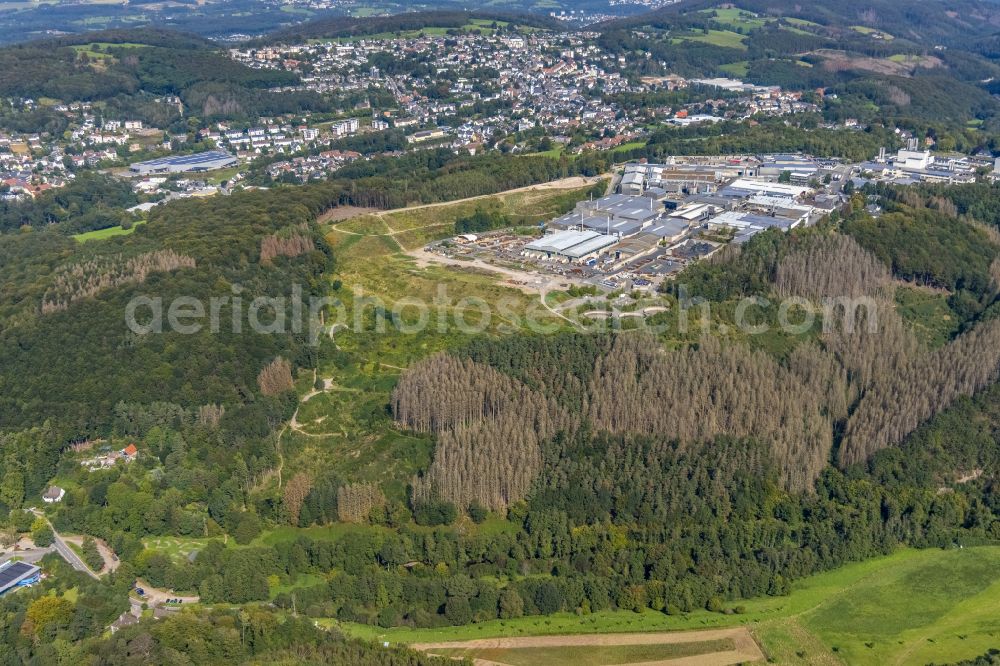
{"x":911,"y":607}
{"x":865,"y":30}
{"x":482,"y":26}
{"x":743,"y":22}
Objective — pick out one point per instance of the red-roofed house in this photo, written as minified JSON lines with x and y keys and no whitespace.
{"x":130,"y":452}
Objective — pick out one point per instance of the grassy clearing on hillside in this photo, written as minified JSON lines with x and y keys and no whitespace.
{"x":802,"y":22}
{"x":737,"y":69}
{"x":481,"y":26}
{"x":913,"y":607}
{"x":925,"y":609}
{"x":413,"y":227}
{"x":734,"y":17}
{"x":625,"y":147}
{"x":552,"y":152}
{"x":177,"y":548}
{"x":302,"y":580}
{"x":724,"y":38}
{"x":927,"y":313}
{"x":109,"y":232}
{"x":865,"y":30}
{"x":98,"y":50}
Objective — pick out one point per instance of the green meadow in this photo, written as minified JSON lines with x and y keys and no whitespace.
{"x":911,"y":607}
{"x":109,"y":232}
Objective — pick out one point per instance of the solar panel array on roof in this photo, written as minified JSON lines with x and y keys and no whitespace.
{"x":13,"y":573}
{"x":203,"y":161}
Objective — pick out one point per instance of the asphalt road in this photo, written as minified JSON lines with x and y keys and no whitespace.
{"x":70,"y":555}
{"x":65,"y":551}
{"x":30,"y":556}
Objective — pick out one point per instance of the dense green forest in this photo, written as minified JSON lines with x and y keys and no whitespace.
{"x":64,"y":620}
{"x":732,"y":138}
{"x":624,"y":521}
{"x":605,"y":499}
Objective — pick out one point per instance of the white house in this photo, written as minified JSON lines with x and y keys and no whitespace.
{"x":53,"y":494}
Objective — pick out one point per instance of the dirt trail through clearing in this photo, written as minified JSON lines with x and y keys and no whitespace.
{"x":745,"y":648}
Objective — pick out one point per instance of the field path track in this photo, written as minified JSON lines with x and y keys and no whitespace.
{"x":745,"y":649}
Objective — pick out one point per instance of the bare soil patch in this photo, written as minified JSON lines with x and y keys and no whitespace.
{"x":341,"y":213}
{"x":745,"y":648}
{"x":838,"y":61}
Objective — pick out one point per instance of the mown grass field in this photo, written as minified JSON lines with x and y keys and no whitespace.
{"x":735,"y":17}
{"x":911,"y":607}
{"x":109,"y":232}
{"x":724,"y":38}
{"x":738,"y":69}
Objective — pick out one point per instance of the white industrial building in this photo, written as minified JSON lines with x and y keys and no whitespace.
{"x":913,"y":159}
{"x":569,"y":246}
{"x":751,"y":187}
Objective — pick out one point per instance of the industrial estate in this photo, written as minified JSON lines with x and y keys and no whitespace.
{"x":665,"y":216}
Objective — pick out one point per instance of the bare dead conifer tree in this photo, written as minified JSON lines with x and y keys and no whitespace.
{"x":693,"y":395}
{"x":210,"y":415}
{"x":294,"y":494}
{"x":832,"y":266}
{"x":355,"y":501}
{"x":489,"y":429}
{"x":89,"y":278}
{"x":898,"y":402}
{"x":285,"y":244}
{"x":276,"y":377}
